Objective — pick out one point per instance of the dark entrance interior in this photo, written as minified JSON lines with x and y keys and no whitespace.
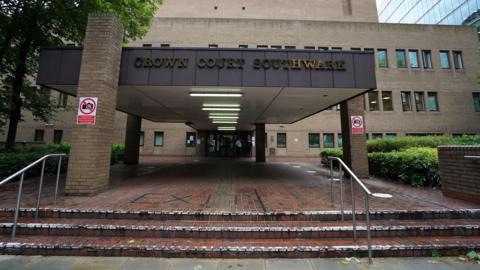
{"x":229,"y":144}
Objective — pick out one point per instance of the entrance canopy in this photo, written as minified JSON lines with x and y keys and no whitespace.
{"x":192,"y":85}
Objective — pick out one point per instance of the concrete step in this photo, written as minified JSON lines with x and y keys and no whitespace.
{"x":236,"y":248}
{"x":240,"y":229}
{"x":242,"y":216}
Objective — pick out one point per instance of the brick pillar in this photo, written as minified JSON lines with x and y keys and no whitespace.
{"x":91,"y":145}
{"x":354,"y":145}
{"x":132,"y":140}
{"x":260,"y":142}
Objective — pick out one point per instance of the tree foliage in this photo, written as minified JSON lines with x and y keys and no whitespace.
{"x":27,"y":25}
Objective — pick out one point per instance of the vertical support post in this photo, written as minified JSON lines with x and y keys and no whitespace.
{"x":354,"y":212}
{"x":331,"y":182}
{"x":57,"y":182}
{"x":340,"y":177}
{"x":91,"y":145}
{"x":132,"y":140}
{"x":260,"y":142}
{"x":369,"y":235}
{"x":17,"y":207}
{"x":40,"y":188}
{"x":354,"y":145}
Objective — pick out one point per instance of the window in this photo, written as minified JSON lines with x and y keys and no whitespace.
{"x":432,"y":101}
{"x":401,"y":60}
{"x":158,"y":141}
{"x":212,"y":45}
{"x":243,"y":46}
{"x":368,"y":50}
{"x":290,"y":47}
{"x":328,"y":140}
{"x":57,"y":136}
{"x":313,"y":140}
{"x":457,"y":60}
{"x":39,"y":134}
{"x":406,"y":101}
{"x":62,"y":100}
{"x":191,"y":139}
{"x":356,"y":49}
{"x":391,"y":135}
{"x":387,"y":100}
{"x":276,"y":47}
{"x":340,"y":140}
{"x":146,"y":45}
{"x":281,"y":140}
{"x":309,"y":47}
{"x":337,"y":107}
{"x":476,"y":101}
{"x":142,"y":138}
{"x":266,"y":139}
{"x":419,"y":101}
{"x":444,"y":60}
{"x":382,"y":58}
{"x":413,"y":58}
{"x":427,"y":59}
{"x":323,"y":48}
{"x":164,"y":45}
{"x":262,"y":46}
{"x":376,"y":136}
{"x":336,"y":48}
{"x":373,"y":101}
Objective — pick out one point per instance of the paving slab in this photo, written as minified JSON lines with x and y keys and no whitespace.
{"x":242,"y":264}
{"x":282,"y":264}
{"x":144,"y":263}
{"x":188,"y":264}
{"x":49,"y":263}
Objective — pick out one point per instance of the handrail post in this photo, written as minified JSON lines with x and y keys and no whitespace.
{"x":331,"y":182}
{"x":354,"y":212}
{"x":17,"y":207}
{"x":58,"y":180}
{"x":40,"y":189}
{"x":369,"y":235}
{"x":340,"y":176}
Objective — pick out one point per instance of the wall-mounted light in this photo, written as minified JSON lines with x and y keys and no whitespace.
{"x":220,"y":109}
{"x":222,"y":117}
{"x":197,"y":94}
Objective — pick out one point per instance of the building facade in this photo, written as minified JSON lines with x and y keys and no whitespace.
{"x":446,"y":12}
{"x":426,"y":74}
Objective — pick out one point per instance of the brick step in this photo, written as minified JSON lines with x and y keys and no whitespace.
{"x":242,"y":230}
{"x":238,"y":248}
{"x":242,"y":216}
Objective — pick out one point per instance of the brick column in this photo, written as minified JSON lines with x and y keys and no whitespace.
{"x":260,"y":142}
{"x":132,"y":140}
{"x":354,"y":145}
{"x":91,"y":146}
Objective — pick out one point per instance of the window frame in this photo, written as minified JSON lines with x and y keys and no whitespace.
{"x":279,"y":134}
{"x":443,"y":52}
{"x":327,"y":135}
{"x":55,"y":132}
{"x":386,"y":58}
{"x":437,"y":105}
{"x":458,"y":64}
{"x":37,"y":132}
{"x":419,"y":101}
{"x":405,"y":64}
{"x":427,"y":54}
{"x":141,"y":138}
{"x":476,"y":103}
{"x":410,"y":59}
{"x":194,"y":144}
{"x":155,"y":138}
{"x":369,"y":94}
{"x":390,"y":100}
{"x":317,"y":135}
{"x":405,"y":94}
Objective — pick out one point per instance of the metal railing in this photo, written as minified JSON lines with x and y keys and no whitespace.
{"x":472,"y":157}
{"x":21,"y":173}
{"x":342,"y":166}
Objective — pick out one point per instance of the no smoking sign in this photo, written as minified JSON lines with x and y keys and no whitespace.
{"x":87,"y":110}
{"x":357,"y":124}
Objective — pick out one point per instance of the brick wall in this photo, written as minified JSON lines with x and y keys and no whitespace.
{"x":460,"y":177}
{"x":91,"y":145}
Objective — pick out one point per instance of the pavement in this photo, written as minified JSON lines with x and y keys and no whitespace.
{"x":122,"y":263}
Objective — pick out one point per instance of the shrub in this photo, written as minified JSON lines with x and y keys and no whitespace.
{"x":402,"y":143}
{"x":13,"y":161}
{"x":414,"y":166}
{"x":330,"y":152}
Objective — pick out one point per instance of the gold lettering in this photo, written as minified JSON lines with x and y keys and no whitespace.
{"x":183,"y":63}
{"x":257,"y":64}
{"x":309,"y":64}
{"x":170,"y":62}
{"x":296,"y":64}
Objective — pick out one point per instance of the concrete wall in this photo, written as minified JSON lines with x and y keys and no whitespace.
{"x":460,"y":176}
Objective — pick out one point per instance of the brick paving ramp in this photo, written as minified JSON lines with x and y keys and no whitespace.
{"x":226,"y":209}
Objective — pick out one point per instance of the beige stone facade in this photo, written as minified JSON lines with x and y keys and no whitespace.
{"x":349,"y":25}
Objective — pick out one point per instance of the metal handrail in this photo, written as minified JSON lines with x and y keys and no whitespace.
{"x":472,"y":157}
{"x":367,"y":192}
{"x":20,"y":185}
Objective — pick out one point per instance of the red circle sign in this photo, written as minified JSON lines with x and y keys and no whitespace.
{"x":357,"y":122}
{"x":88,"y":106}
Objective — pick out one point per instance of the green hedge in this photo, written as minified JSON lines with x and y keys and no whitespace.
{"x":414,"y":166}
{"x":13,"y":161}
{"x":402,"y":143}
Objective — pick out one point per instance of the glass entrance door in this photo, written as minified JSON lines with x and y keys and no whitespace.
{"x":229,"y":144}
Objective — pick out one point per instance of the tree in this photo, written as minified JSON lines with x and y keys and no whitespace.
{"x":27,"y":25}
